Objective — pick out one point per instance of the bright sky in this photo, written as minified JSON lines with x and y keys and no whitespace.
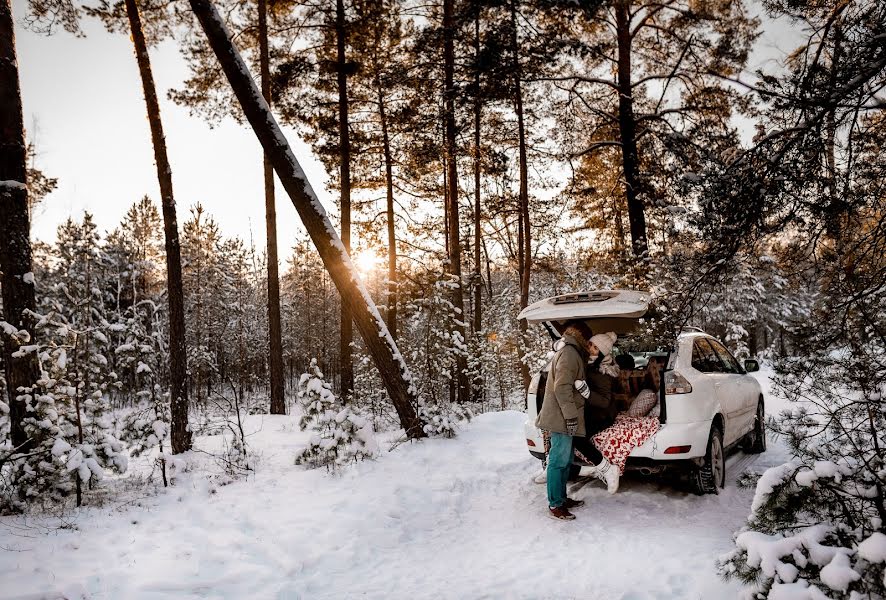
{"x":84,"y":107}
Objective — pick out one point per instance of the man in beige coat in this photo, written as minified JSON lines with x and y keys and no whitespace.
{"x":562,"y":414}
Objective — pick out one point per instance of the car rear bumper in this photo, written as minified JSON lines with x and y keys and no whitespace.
{"x":676,"y":435}
{"x":670,"y":435}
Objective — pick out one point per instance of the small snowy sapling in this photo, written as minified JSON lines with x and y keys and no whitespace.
{"x":340,"y":436}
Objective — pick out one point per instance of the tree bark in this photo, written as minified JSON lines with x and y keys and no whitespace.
{"x":15,"y":232}
{"x":181,"y":437}
{"x":347,"y":332}
{"x":275,"y":343}
{"x":391,"y":366}
{"x":392,"y":239}
{"x":452,"y":190}
{"x":836,"y":207}
{"x":478,"y":115}
{"x":477,"y":278}
{"x":525,"y":251}
{"x":627,"y":125}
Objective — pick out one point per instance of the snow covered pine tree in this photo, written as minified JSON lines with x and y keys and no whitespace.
{"x":816,"y":528}
{"x":341,"y":436}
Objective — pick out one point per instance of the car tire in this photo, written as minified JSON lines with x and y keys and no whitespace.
{"x":756,"y":439}
{"x":711,"y":475}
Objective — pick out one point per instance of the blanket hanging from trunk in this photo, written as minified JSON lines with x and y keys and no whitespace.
{"x":616,"y":442}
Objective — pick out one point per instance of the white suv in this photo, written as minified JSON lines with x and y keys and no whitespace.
{"x":708,"y":402}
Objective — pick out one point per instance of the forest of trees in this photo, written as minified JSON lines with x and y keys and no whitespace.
{"x":490,"y":154}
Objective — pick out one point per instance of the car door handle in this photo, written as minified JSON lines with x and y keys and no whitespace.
{"x":717,"y":384}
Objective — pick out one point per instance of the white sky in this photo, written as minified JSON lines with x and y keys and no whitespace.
{"x":92,"y":133}
{"x":84,"y":107}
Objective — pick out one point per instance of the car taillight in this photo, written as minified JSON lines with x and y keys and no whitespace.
{"x":532,"y":391}
{"x":678,"y":450}
{"x":676,"y":383}
{"x":530,"y":442}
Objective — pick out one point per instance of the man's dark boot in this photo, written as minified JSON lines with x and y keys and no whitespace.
{"x":571,"y":503}
{"x":560,"y":512}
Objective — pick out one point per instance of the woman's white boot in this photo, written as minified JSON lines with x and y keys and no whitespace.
{"x":587,"y":471}
{"x":608,"y":474}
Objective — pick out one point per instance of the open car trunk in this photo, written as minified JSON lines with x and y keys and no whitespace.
{"x":625,"y":312}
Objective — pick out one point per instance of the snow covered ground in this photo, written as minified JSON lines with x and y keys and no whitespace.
{"x":456,"y":518}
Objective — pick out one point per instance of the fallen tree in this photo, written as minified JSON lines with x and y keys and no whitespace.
{"x":381,"y":346}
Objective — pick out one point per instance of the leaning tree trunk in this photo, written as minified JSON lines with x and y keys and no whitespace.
{"x":275,"y":343}
{"x":391,"y":366}
{"x":452,"y":190}
{"x":525,"y":237}
{"x":347,"y":332}
{"x":15,"y":231}
{"x":181,"y":437}
{"x":627,"y":126}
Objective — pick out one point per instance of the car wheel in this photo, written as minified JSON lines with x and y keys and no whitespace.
{"x":756,"y":441}
{"x":711,"y":475}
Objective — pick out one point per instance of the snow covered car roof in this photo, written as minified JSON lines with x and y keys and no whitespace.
{"x":596,"y":304}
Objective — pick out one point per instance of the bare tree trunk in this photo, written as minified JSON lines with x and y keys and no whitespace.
{"x":181,"y":437}
{"x":836,"y":207}
{"x":452,"y":190}
{"x":275,"y":343}
{"x":387,"y":358}
{"x":392,"y":239}
{"x":627,"y":125}
{"x":241,"y":347}
{"x":619,"y":225}
{"x":15,"y":231}
{"x":525,"y":240}
{"x":445,"y":161}
{"x":478,"y":114}
{"x":347,"y":333}
{"x":477,"y":277}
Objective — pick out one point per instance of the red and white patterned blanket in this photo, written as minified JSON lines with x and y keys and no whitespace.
{"x":616,"y":442}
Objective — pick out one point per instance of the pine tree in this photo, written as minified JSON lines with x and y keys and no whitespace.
{"x":316,"y":93}
{"x":181,"y":435}
{"x":275,"y":343}
{"x":201,"y":278}
{"x":378,"y":36}
{"x":651,"y":97}
{"x":341,"y":436}
{"x":818,"y":170}
{"x":86,"y":380}
{"x":206,"y":94}
{"x":74,"y":441}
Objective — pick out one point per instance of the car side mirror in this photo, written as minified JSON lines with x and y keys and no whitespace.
{"x":751,"y":365}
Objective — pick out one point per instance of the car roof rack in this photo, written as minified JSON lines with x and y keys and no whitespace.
{"x":584,"y":297}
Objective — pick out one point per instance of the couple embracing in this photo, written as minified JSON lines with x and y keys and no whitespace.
{"x":579,"y":405}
